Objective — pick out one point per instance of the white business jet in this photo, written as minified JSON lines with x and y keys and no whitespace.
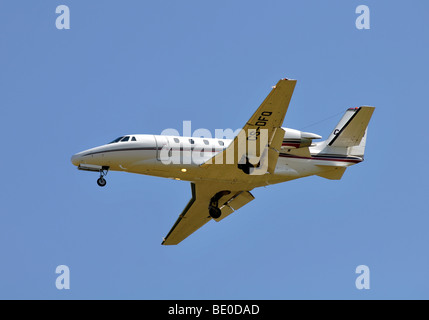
{"x":222,"y":172}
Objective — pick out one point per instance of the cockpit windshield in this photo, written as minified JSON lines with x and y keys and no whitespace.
{"x":116,"y":140}
{"x":123,"y":139}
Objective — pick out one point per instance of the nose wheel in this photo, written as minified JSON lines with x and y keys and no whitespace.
{"x":101,"y":181}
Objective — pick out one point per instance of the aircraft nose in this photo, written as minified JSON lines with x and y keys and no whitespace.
{"x":76,"y":158}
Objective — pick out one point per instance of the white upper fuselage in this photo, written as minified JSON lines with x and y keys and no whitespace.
{"x":180,"y":158}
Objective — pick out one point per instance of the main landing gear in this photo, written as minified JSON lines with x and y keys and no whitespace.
{"x":214,"y":210}
{"x":103,"y":172}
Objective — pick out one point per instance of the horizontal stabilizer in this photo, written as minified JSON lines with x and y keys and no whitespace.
{"x":334,"y":173}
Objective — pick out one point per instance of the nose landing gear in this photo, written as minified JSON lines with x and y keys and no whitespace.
{"x":103,"y":172}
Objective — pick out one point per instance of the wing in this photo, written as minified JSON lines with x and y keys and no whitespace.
{"x":255,"y":147}
{"x":259,"y":141}
{"x":196,"y":213}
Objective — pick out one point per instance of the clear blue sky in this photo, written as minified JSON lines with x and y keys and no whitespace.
{"x":144,"y":66}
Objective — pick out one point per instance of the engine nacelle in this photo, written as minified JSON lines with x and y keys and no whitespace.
{"x":295,"y":139}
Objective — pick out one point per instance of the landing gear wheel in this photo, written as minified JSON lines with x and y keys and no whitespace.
{"x":101,"y":182}
{"x":214,"y":212}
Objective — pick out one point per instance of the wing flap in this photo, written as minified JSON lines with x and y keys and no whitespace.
{"x":236,"y":202}
{"x":274,"y":149}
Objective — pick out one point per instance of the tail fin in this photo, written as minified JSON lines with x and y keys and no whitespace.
{"x":349,"y":136}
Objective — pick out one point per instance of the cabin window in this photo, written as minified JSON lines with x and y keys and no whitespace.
{"x":191,"y":141}
{"x":221,"y":143}
{"x":176,"y":140}
{"x":206,"y":141}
